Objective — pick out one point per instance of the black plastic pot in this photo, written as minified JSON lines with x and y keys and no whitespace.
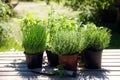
{"x":34,"y":60}
{"x":52,"y":59}
{"x":92,"y":59}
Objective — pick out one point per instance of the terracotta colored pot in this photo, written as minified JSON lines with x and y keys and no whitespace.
{"x":69,"y":61}
{"x":52,"y":59}
{"x":92,"y":59}
{"x":34,"y":60}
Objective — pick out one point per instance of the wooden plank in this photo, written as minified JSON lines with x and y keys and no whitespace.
{"x":18,"y":52}
{"x":18,"y":73}
{"x":111,"y":57}
{"x":113,"y":77}
{"x":11,"y":69}
{"x":24,"y":68}
{"x":12,"y":55}
{"x":21,"y":52}
{"x":20,"y":60}
{"x":105,"y":50}
{"x":81,"y":72}
{"x":109,"y":67}
{"x":111,"y":50}
{"x":15,"y":57}
{"x":11,"y":58}
{"x":111,"y":54}
{"x":25,"y":78}
{"x":69,"y":73}
{"x":15,"y":61}
{"x":13,"y":65}
{"x":58,"y":78}
{"x":104,"y":60}
{"x":100,"y":77}
{"x":111,"y":64}
{"x":110,"y":60}
{"x":112,"y":68}
{"x":105,"y":68}
{"x":24,"y":65}
{"x":6,"y":67}
{"x":22,"y":55}
{"x":100,"y":72}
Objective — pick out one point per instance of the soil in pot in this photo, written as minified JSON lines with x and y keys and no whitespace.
{"x":92,"y":59}
{"x":69,"y":62}
{"x":34,"y":60}
{"x":52,"y":59}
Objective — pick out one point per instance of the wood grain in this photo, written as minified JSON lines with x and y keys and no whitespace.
{"x":13,"y":67}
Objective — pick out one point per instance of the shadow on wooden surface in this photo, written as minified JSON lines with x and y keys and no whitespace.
{"x":82,"y":74}
{"x":88,"y":74}
{"x":13,"y":67}
{"x":23,"y":71}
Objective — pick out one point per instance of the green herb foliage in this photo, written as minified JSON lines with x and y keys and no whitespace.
{"x":34,"y":35}
{"x":61,"y":71}
{"x":66,"y":43}
{"x":56,"y":23}
{"x":96,"y":38}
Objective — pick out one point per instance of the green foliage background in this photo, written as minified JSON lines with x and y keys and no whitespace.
{"x":6,"y":10}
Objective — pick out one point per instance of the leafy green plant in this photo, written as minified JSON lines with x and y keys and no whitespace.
{"x":66,"y":43}
{"x":5,"y":11}
{"x":9,"y":38}
{"x":61,"y":71}
{"x":92,"y":12}
{"x":4,"y":34}
{"x":6,"y":1}
{"x":56,"y":23}
{"x":34,"y":35}
{"x":96,"y":38}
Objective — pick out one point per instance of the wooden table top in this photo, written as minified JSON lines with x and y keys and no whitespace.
{"x":13,"y":67}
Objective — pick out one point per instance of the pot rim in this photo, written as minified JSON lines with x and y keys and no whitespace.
{"x":33,"y":53}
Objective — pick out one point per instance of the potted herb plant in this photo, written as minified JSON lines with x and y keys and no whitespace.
{"x":96,"y":39}
{"x":66,"y":44}
{"x":52,"y":58}
{"x":56,"y":23}
{"x":34,"y":40}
